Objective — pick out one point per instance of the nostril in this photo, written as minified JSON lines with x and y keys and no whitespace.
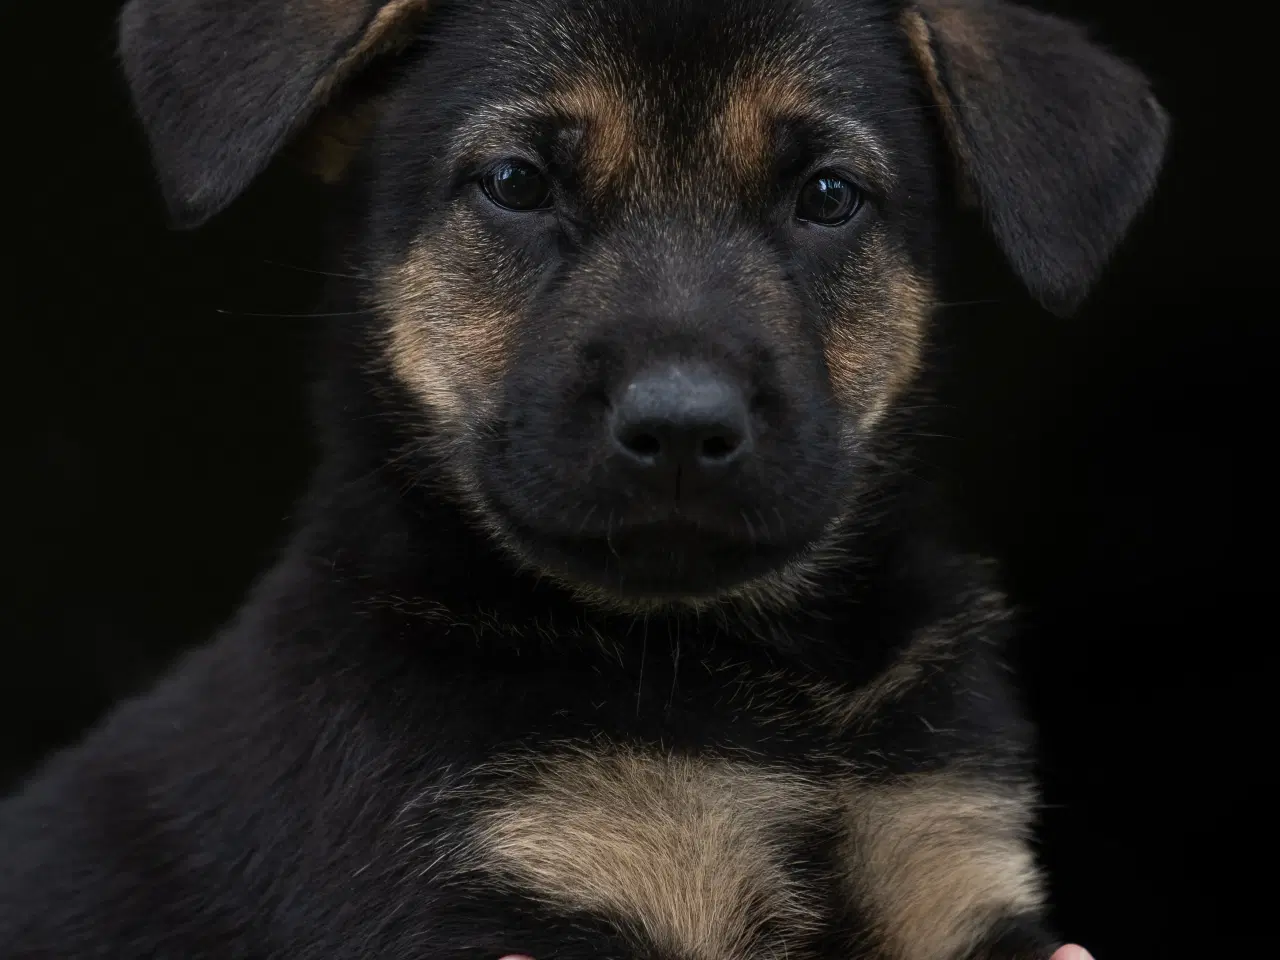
{"x":719,"y":447}
{"x":641,"y":443}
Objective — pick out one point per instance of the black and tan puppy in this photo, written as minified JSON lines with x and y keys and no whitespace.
{"x":609,"y":630}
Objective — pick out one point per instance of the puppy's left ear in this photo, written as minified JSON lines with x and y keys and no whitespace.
{"x":1058,"y":141}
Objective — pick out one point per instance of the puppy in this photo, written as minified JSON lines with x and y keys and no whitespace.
{"x":609,"y":627}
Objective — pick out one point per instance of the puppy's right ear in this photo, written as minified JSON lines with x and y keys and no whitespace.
{"x":1059,"y":140}
{"x":221,"y":85}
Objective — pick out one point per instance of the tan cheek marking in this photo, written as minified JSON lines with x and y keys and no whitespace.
{"x":936,"y":859}
{"x":681,"y":850}
{"x":452,"y":315}
{"x":873,"y":347}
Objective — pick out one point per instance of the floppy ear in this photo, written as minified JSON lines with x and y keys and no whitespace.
{"x":221,"y":85}
{"x":1057,"y":140}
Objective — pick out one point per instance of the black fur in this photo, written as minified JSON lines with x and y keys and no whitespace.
{"x":294,"y":790}
{"x":221,"y":87}
{"x":1060,"y":141}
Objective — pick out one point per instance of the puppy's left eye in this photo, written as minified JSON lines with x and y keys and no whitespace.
{"x":828,"y":199}
{"x":516,"y":185}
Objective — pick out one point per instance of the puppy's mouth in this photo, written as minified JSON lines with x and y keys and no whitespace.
{"x":678,"y":556}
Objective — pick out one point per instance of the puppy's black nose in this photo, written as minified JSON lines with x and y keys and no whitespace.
{"x":686,"y":420}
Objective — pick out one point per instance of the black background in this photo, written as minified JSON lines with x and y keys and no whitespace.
{"x":157,"y":433}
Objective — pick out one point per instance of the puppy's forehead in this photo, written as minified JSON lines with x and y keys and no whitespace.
{"x":694,"y":81}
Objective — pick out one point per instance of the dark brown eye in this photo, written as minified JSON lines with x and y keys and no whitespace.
{"x":828,"y":199}
{"x":516,"y":185}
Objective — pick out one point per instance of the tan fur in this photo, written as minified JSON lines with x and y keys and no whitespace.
{"x":588,"y":102}
{"x":609,"y":126}
{"x":452,"y":306}
{"x":934,"y":859}
{"x":680,"y":851}
{"x":873,"y":349}
{"x":762,"y":94}
{"x":743,"y":132}
{"x":683,"y":853}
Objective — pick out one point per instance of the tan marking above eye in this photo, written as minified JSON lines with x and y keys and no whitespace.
{"x":744,"y":129}
{"x":762,"y":95}
{"x":611,"y":142}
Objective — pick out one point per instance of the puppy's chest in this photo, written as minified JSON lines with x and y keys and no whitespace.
{"x":722,"y":856}
{"x":686,"y":854}
{"x":724,"y":810}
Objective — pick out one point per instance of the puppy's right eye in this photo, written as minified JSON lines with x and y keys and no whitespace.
{"x":828,"y":199}
{"x":515,"y":185}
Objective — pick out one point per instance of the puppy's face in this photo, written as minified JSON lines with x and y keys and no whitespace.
{"x":654,"y":275}
{"x":649,"y":273}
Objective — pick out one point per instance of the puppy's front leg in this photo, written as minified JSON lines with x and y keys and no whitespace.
{"x":1023,"y":937}
{"x":941,"y":869}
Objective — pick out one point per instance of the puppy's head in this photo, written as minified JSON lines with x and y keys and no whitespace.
{"x":652,"y":271}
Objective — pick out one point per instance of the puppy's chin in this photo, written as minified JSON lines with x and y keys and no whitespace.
{"x":672,"y":563}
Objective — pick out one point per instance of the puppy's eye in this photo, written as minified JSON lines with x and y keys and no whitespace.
{"x":516,"y":185}
{"x":828,"y":199}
